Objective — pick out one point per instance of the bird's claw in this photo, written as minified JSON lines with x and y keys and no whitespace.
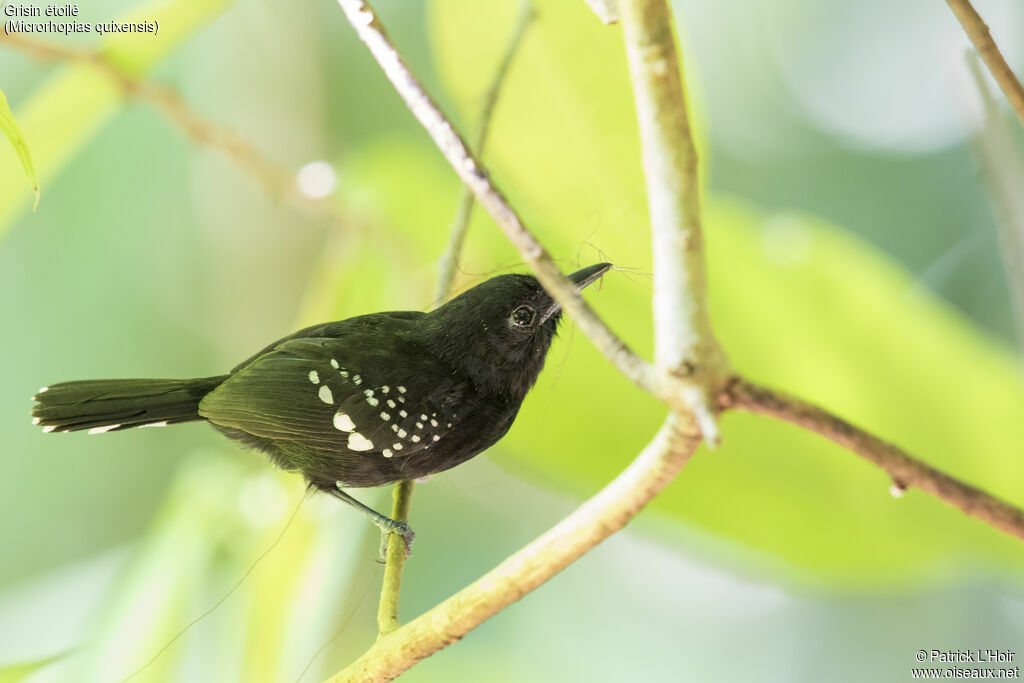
{"x":400,"y":528}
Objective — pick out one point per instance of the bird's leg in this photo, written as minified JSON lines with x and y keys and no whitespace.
{"x":386,"y":524}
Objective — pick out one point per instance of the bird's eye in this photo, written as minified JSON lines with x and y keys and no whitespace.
{"x":523,"y":316}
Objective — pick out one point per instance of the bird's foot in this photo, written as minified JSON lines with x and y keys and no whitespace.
{"x":400,"y":528}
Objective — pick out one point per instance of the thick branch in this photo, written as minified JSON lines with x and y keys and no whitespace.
{"x":597,"y":519}
{"x":684,"y":344}
{"x":904,"y":469}
{"x":475,"y":176}
{"x":979,"y":34}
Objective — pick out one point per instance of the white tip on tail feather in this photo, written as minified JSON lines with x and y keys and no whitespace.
{"x":105,"y":428}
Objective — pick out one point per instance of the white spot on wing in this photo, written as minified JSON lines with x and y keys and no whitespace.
{"x":385,"y":389}
{"x":394,"y":428}
{"x":385,"y":417}
{"x":162,"y":423}
{"x":49,"y":429}
{"x":433,"y":423}
{"x":344,"y":373}
{"x":436,"y":437}
{"x":403,"y":413}
{"x":391,"y":404}
{"x":314,"y":377}
{"x":397,"y":446}
{"x":334,"y":364}
{"x":36,"y":420}
{"x":105,"y":428}
{"x":401,"y":389}
{"x":357,"y":379}
{"x":43,"y":390}
{"x":415,"y":438}
{"x":401,"y":433}
{"x":423,"y":417}
{"x":325,"y":394}
{"x":387,"y":452}
{"x":368,"y":392}
{"x":419,"y":425}
{"x":343,"y":422}
{"x":358,"y":442}
{"x":372,"y":401}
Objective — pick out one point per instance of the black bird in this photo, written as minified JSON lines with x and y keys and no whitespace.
{"x":361,"y":402}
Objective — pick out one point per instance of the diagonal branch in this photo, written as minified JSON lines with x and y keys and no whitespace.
{"x":977,"y":31}
{"x":475,"y":176}
{"x":905,"y":470}
{"x":597,"y":519}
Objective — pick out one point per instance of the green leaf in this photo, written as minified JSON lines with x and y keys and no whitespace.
{"x":12,"y":673}
{"x":67,"y":110}
{"x":9,"y":126}
{"x":798,"y":304}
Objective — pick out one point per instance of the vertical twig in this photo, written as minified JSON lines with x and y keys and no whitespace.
{"x":387,"y":610}
{"x":684,"y":344}
{"x":1004,"y":176}
{"x":979,"y":34}
{"x":391,"y":586}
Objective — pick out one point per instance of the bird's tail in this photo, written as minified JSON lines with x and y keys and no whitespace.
{"x":106,"y":405}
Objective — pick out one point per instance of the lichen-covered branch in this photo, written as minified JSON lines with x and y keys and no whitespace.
{"x":905,"y":471}
{"x":684,"y":346}
{"x":597,"y":519}
{"x":979,"y":34}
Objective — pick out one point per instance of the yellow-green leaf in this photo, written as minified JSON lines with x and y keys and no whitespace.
{"x":11,"y":130}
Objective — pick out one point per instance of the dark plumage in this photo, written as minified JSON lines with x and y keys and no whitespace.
{"x":366,"y":401}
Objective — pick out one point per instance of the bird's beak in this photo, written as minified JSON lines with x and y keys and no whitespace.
{"x":581,"y":278}
{"x":585,"y":276}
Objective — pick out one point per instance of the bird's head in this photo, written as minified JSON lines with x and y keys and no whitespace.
{"x":499,"y":332}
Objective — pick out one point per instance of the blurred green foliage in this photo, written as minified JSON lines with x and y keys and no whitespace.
{"x":155,"y":256}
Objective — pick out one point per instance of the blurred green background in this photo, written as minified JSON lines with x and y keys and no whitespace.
{"x":854,"y":259}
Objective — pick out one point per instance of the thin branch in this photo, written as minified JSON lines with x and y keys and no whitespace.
{"x":905,"y":470}
{"x":387,"y":610}
{"x":597,"y":519}
{"x":449,"y":262}
{"x":684,"y":344}
{"x":370,"y":30}
{"x":277,"y":180}
{"x":979,"y":34}
{"x":1004,"y":176}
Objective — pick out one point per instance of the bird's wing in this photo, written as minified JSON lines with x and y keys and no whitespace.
{"x":319,"y":393}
